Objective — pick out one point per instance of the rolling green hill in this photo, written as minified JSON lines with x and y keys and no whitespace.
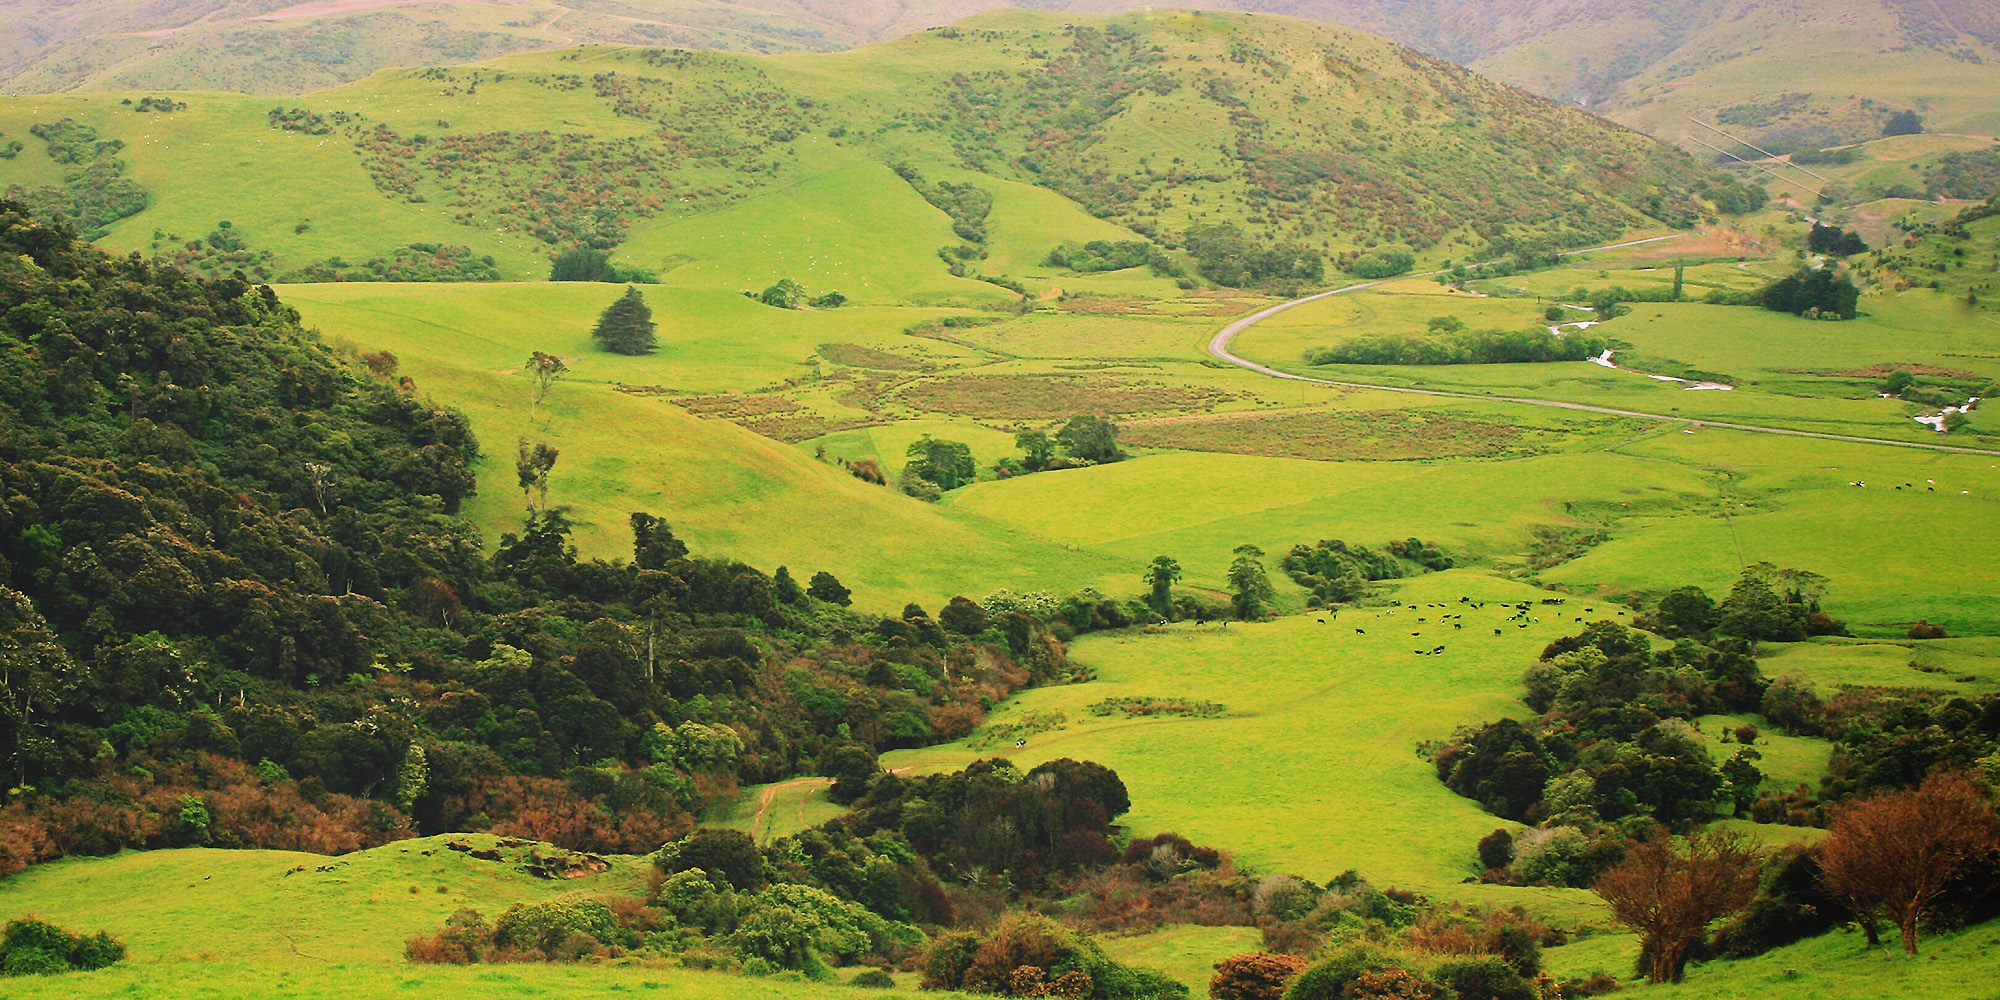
{"x":1160,"y":124}
{"x":1810,"y":74}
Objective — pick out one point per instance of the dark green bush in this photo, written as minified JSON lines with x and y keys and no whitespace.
{"x":34,"y":947}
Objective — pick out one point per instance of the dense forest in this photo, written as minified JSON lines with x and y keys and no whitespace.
{"x":239,"y":608}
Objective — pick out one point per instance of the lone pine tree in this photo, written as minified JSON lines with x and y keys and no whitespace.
{"x":626,"y":326}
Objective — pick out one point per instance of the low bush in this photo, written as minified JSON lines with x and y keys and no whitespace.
{"x":1031,"y":955}
{"x":1256,"y":976}
{"x":33,"y":947}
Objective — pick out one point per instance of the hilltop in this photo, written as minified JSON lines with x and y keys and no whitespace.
{"x":1774,"y":69}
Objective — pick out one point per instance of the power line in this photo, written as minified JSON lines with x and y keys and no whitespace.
{"x":1754,"y":146}
{"x":1759,"y":166}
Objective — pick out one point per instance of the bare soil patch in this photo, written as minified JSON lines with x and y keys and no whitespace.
{"x":1027,"y":397}
{"x":1375,"y":435}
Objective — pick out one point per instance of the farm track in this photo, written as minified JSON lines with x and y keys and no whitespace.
{"x":1219,"y":347}
{"x":769,"y":798}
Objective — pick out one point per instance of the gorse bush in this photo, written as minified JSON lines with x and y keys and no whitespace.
{"x":1029,"y":955}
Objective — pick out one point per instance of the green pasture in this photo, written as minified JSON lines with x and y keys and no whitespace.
{"x":1840,"y":966}
{"x":220,"y":160}
{"x":1197,"y":507}
{"x":208,"y":924}
{"x":1962,"y":666}
{"x":258,"y":906}
{"x":727,"y":491}
{"x":1187,"y":952}
{"x":1785,"y":371}
{"x":1893,"y":556}
{"x":1313,"y":767}
{"x":783,"y":809}
{"x":859,"y":230}
{"x":1787,"y":761}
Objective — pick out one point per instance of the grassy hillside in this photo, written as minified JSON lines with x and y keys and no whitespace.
{"x":207,"y":923}
{"x":1645,"y":63}
{"x":1330,"y":139}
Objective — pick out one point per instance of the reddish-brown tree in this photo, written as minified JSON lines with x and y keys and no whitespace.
{"x":1670,"y":896}
{"x":1256,"y":976}
{"x":1892,"y":854}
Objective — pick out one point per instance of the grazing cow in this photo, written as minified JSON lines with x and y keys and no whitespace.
{"x":1360,"y":632}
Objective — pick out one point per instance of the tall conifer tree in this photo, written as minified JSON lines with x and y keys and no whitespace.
{"x":626,"y":326}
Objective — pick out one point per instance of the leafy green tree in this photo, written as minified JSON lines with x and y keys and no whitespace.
{"x":1688,"y":611}
{"x":1090,"y":439}
{"x":945,"y":463}
{"x":1037,"y":450}
{"x":653,"y":543}
{"x":851,"y":766}
{"x":825,"y":587}
{"x":36,"y":679}
{"x":1502,"y":766}
{"x":626,"y":326}
{"x":1813,"y":293}
{"x":1834,"y":241}
{"x":786,"y":589}
{"x":1384,"y":263}
{"x":582,"y":264}
{"x":786,"y":294}
{"x":1754,"y":611}
{"x":32,"y":947}
{"x":1905,"y":122}
{"x":532,"y":465}
{"x":726,"y":856}
{"x":1160,"y":578}
{"x":1250,"y":586}
{"x":543,"y":370}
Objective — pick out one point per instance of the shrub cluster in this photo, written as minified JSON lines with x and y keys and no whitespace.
{"x":32,"y":947}
{"x":1032,"y":956}
{"x":1463,"y":347}
{"x":1335,"y":571}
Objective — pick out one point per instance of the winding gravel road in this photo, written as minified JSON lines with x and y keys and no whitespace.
{"x":1219,"y":346}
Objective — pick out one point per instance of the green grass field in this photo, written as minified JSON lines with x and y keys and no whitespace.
{"x":241,"y":924}
{"x":1310,"y":708}
{"x":735,"y":429}
{"x":783,"y":809}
